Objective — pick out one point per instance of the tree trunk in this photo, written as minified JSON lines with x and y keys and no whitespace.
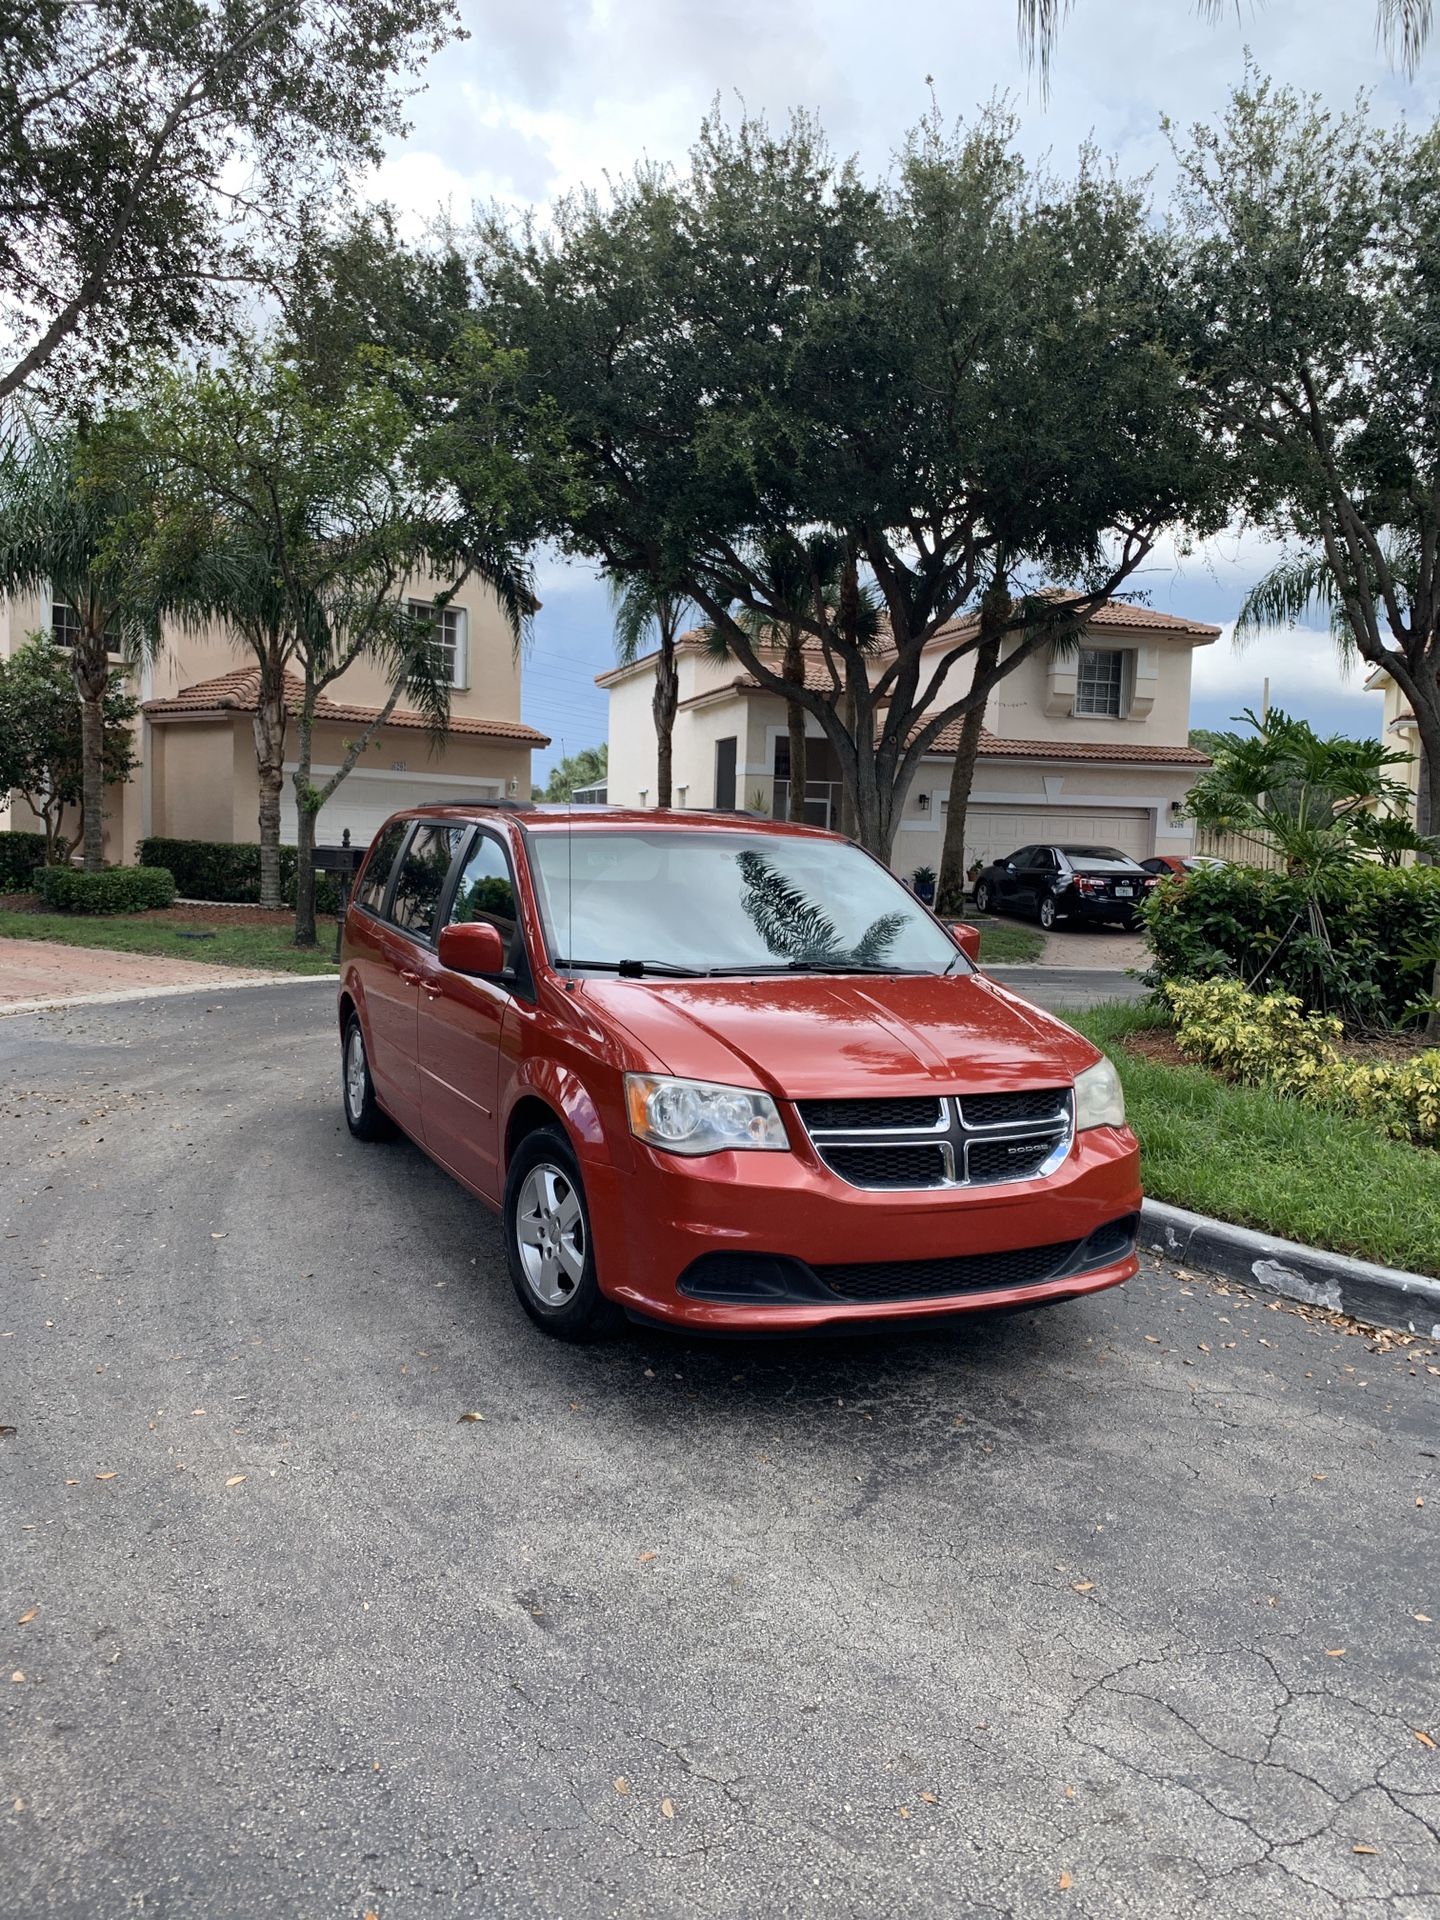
{"x":270,"y":722}
{"x":1427,"y":820}
{"x":847,"y":798}
{"x":794,"y":672}
{"x":950,"y":891}
{"x":90,"y":668}
{"x":663,"y":703}
{"x":304,"y":838}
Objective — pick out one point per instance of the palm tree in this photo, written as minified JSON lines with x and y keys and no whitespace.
{"x":1401,"y":26}
{"x":71,"y":515}
{"x":644,"y":607}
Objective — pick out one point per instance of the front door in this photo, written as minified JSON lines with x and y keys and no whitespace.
{"x":461,"y":1029}
{"x":405,"y":940}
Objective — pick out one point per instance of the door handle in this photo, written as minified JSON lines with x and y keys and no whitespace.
{"x":432,"y":988}
{"x":410,"y":979}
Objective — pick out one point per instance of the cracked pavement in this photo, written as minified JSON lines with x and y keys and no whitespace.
{"x":1116,"y":1609}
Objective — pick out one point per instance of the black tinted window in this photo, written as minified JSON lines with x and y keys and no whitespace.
{"x":422,"y":877}
{"x":485,"y":890}
{"x":371,"y":890}
{"x":1020,"y":859}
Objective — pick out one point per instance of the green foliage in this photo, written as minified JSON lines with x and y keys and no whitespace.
{"x":221,"y":870}
{"x":584,"y":769}
{"x":1269,"y":1040}
{"x":158,"y":155}
{"x":1241,"y":1153}
{"x":967,"y":368}
{"x":112,"y":890}
{"x":1286,"y":790}
{"x":41,"y":756}
{"x":1382,"y":930}
{"x":20,"y":854}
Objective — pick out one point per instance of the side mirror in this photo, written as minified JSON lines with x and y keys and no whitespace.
{"x":472,"y":946}
{"x":1009,"y":866}
{"x":968,"y":941}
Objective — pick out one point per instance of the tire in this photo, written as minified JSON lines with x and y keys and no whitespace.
{"x":982,"y":896}
{"x":548,"y":1243}
{"x":363,"y":1114}
{"x":1045,"y":913}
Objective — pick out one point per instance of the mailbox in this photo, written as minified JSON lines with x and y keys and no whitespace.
{"x":344,"y":862}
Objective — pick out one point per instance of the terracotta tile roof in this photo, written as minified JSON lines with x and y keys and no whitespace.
{"x":1113,"y":614}
{"x":239,"y":692}
{"x":1130,"y":752}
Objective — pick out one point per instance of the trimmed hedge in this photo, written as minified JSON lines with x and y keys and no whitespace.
{"x":1238,"y":923}
{"x":226,"y":870}
{"x":20,"y":854}
{"x":113,"y":890}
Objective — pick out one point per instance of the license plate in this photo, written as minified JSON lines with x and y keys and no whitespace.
{"x":1124,"y":893}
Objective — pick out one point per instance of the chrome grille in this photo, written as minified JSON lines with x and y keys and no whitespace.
{"x":911,"y":1144}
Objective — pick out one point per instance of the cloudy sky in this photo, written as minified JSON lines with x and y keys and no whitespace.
{"x":551,"y":95}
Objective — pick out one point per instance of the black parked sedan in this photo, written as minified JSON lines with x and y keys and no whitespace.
{"x":1065,"y":883}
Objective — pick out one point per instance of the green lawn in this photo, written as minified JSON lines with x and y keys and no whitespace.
{"x":1239,"y":1154}
{"x":1002,"y":943}
{"x":262,"y":946}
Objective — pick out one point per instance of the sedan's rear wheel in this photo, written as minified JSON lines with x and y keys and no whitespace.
{"x":1048,"y":915}
{"x":982,"y":896}
{"x":547,"y":1238}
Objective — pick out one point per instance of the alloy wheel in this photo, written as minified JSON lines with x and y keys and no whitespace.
{"x":355,"y":1074}
{"x":550,"y":1233}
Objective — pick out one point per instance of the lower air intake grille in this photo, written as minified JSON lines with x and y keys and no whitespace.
{"x":965,"y":1273}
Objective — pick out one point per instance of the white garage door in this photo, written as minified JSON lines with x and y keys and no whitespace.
{"x":992,"y":832}
{"x":364,"y":801}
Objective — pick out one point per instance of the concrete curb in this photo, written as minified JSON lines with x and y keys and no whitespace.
{"x":1381,"y":1296}
{"x":62,"y":1003}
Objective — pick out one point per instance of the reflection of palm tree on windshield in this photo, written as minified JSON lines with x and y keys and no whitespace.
{"x":794,"y":928}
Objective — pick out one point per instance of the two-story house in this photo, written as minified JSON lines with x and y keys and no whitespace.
{"x":1089,"y":744}
{"x":1402,"y":735}
{"x":197,"y":778}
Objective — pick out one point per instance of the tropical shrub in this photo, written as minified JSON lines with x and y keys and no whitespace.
{"x":1269,"y":1040}
{"x":20,"y":854}
{"x":1370,"y":957}
{"x":230,"y":871}
{"x":112,"y":890}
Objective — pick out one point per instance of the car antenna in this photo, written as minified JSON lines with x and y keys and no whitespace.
{"x":569,"y":877}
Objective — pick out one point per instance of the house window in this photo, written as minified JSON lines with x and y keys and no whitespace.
{"x":1100,"y":682}
{"x":448,"y":637}
{"x":65,"y":629}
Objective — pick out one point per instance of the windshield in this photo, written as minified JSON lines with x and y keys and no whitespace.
{"x":722,"y":901}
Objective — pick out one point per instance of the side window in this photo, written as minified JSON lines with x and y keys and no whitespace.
{"x":422,"y":877}
{"x":1023,"y":858}
{"x":1045,"y":860}
{"x":485,"y":890}
{"x":371,"y":890}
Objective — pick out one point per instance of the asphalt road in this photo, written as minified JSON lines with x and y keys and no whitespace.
{"x":1063,"y":989}
{"x":1109,"y":1610}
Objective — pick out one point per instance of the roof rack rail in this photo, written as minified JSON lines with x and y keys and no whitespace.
{"x":495,"y":800}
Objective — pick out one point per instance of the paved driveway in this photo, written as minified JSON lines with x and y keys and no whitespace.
{"x":33,"y":970}
{"x":1111,"y":1610}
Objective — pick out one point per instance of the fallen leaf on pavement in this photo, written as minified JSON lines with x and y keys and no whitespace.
{"x":235,"y":1480}
{"x":649,"y":1556}
{"x":109,"y":1476}
{"x":18,"y":1677}
{"x":468,"y":1416}
{"x":1364,"y":1849}
{"x":667,"y":1807}
{"x":1334,"y":1653}
{"x":1423,"y":1738}
{"x":26,"y":1618}
{"x":622,"y":1785}
{"x":1424,"y":1618}
{"x":1083,"y":1586}
{"x":1066,"y":1883}
{"x":929,"y":1799}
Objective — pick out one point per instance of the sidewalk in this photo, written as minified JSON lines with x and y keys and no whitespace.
{"x":1106,"y":947}
{"x":45,"y":970}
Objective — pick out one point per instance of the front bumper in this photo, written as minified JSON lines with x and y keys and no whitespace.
{"x":658,"y":1225}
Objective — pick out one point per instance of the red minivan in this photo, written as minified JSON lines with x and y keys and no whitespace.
{"x":721,"y":1073}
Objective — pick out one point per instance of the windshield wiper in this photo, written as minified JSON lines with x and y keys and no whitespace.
{"x":635,"y":969}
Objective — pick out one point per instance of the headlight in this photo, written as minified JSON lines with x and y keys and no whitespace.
{"x":692,"y":1116}
{"x":1099,"y":1097}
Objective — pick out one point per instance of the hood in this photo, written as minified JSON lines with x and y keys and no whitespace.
{"x":812,"y":1037}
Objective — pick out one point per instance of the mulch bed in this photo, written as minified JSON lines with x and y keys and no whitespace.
{"x":1157,"y":1044}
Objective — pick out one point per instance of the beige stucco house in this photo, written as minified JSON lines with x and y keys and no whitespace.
{"x":197,"y":778}
{"x":1399,"y":732}
{"x":1088,"y":745}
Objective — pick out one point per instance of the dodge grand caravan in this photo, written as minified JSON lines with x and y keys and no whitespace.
{"x":721,"y":1073}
